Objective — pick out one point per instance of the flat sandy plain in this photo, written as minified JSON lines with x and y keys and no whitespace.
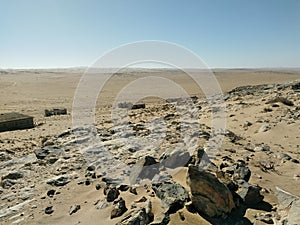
{"x":32,"y":91}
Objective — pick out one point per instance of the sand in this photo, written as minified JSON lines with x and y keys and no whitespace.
{"x":32,"y":91}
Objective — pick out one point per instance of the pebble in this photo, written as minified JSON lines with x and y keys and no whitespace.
{"x":49,"y":210}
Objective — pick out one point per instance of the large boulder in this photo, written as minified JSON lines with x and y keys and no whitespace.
{"x":209,"y":196}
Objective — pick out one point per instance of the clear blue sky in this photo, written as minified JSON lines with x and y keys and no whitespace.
{"x":224,"y":33}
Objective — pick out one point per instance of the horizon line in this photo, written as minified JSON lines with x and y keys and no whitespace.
{"x":151,"y":68}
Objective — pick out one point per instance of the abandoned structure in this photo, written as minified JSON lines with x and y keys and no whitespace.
{"x":15,"y":121}
{"x":52,"y":112}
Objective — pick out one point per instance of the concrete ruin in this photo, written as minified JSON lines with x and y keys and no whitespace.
{"x":15,"y":121}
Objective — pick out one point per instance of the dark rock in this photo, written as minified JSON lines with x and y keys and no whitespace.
{"x":7,"y":183}
{"x":232,"y":136}
{"x":296,"y":86}
{"x":173,"y":195}
{"x":133,"y":190}
{"x":111,"y":181}
{"x":51,"y":193}
{"x":87,"y":182}
{"x":49,"y":210}
{"x":181,"y":216}
{"x":91,"y":168}
{"x":249,"y":193}
{"x":197,"y":156}
{"x":283,"y":100}
{"x":119,"y":208}
{"x":13,"y":176}
{"x":59,"y":181}
{"x":294,"y":161}
{"x":48,"y":151}
{"x":112,"y":194}
{"x":209,"y":196}
{"x":123,"y":187}
{"x":242,"y":172}
{"x":98,"y":186}
{"x":143,"y":199}
{"x":284,"y":156}
{"x":52,"y":160}
{"x":74,"y":209}
{"x":139,"y":106}
{"x":264,"y":217}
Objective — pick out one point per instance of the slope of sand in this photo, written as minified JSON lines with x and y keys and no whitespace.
{"x":30,"y":92}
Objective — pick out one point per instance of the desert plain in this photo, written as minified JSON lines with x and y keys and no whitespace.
{"x":56,"y":173}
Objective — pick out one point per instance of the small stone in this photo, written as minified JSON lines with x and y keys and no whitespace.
{"x":50,"y":193}
{"x":87,"y":182}
{"x":91,"y":168}
{"x":60,"y":180}
{"x":133,"y":190}
{"x":181,"y":216}
{"x":98,"y":186}
{"x":296,"y":177}
{"x":264,"y":128}
{"x":49,"y":210}
{"x":143,"y":199}
{"x":123,"y":187}
{"x":74,"y":209}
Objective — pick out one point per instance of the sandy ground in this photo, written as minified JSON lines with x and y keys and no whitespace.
{"x":31,"y":92}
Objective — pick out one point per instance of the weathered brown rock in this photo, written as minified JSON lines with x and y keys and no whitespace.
{"x":209,"y":196}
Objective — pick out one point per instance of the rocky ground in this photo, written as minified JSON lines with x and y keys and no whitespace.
{"x":155,"y":166}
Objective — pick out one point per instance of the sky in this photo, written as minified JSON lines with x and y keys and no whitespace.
{"x":223,"y":33}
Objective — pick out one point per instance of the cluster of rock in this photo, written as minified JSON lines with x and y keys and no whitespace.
{"x":218,"y":190}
